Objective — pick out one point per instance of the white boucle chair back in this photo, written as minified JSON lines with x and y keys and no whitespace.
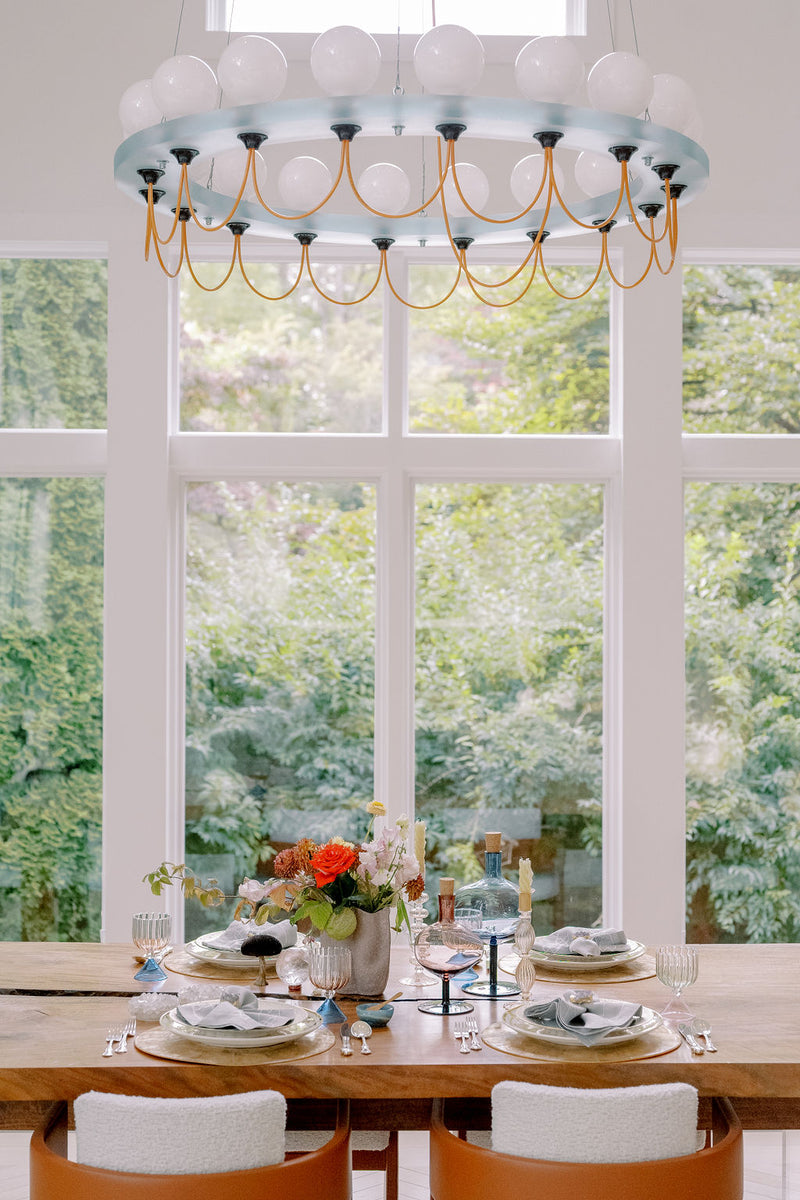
{"x":600,"y":1125}
{"x":198,"y":1136}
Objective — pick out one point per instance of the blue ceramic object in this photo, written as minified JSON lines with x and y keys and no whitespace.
{"x":375,"y":1017}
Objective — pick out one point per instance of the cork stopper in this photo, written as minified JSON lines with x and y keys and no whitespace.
{"x":446,"y":887}
{"x":493,"y":842}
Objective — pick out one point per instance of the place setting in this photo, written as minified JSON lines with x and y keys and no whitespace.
{"x":242,"y":948}
{"x":576,"y":954}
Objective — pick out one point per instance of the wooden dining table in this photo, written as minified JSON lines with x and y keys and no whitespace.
{"x":57,"y":1000}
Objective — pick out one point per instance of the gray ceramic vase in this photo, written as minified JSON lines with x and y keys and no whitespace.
{"x":369,"y":949}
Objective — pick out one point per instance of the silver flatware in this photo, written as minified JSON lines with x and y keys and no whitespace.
{"x":344,"y":1034}
{"x":690,"y":1039}
{"x":128,"y":1031}
{"x":113,"y":1035}
{"x":472,"y":1030}
{"x":361,"y":1029}
{"x":701,"y":1029}
{"x":460,"y":1031}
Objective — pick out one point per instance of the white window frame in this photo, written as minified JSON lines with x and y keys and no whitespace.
{"x":643,"y":462}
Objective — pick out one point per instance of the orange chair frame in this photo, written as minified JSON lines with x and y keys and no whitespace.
{"x":303,"y":1177}
{"x":461,"y":1171}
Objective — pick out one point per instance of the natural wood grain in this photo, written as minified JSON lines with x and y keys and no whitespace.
{"x":50,"y":1045}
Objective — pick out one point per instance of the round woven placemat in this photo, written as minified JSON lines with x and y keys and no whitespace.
{"x":162,"y":1044}
{"x":185,"y":964}
{"x":640,"y":968}
{"x":649,"y":1045}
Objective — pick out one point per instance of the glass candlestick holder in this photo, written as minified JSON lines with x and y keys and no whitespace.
{"x":525,"y":976}
{"x":417,"y":912}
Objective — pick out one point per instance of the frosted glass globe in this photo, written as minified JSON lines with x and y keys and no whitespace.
{"x":229,"y":168}
{"x":184,"y":85}
{"x":252,"y":70}
{"x":549,"y":68}
{"x":673,"y":103}
{"x":621,"y":83}
{"x":694,"y":128}
{"x":473,"y":184}
{"x":596,"y":174}
{"x":527,"y":176}
{"x":449,"y":59}
{"x":137,"y":108}
{"x":386,"y":187}
{"x":345,"y":61}
{"x":303,"y":182}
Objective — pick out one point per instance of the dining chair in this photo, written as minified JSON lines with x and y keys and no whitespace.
{"x":531,"y":1122}
{"x":164,"y":1158}
{"x":371,"y":1150}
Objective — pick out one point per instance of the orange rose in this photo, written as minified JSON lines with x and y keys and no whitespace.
{"x":332,"y":860}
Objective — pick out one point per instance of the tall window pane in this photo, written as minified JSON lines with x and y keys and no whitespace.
{"x":509,"y":685}
{"x":53,"y":323}
{"x":538,"y":366}
{"x":741,"y":327}
{"x":280,"y":616}
{"x":51,"y":688}
{"x":743,"y":709}
{"x":300,"y":365}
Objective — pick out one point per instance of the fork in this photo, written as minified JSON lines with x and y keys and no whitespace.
{"x":128,"y":1031}
{"x":112,"y":1035}
{"x":460,"y":1031}
{"x":472,"y":1030}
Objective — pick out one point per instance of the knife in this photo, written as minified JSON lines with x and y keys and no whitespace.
{"x":690,"y":1039}
{"x":344,"y":1034}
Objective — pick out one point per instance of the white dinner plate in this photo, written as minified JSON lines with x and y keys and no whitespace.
{"x":234,"y":959}
{"x":303,"y":1021}
{"x":579,"y":962}
{"x":516,"y":1019}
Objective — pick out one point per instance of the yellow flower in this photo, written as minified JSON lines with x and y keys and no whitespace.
{"x":377,"y":808}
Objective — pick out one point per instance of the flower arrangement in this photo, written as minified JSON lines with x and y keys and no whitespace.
{"x":325,"y":884}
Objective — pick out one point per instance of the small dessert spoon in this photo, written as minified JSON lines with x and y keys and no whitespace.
{"x":361,"y":1029}
{"x":702,"y":1029}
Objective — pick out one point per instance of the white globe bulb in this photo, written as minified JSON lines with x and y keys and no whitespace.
{"x":449,"y":59}
{"x":596,"y":174}
{"x":673,"y":103}
{"x":228,"y":172}
{"x":621,"y":83}
{"x":184,"y":85}
{"x":345,"y":61}
{"x":252,"y":70}
{"x":549,"y":68}
{"x":385,"y":187}
{"x":137,"y":108}
{"x":527,"y":176}
{"x":473,"y":184}
{"x":303,"y":182}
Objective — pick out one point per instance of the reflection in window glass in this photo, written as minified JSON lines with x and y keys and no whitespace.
{"x":743,"y":712}
{"x":53,"y":328}
{"x":538,"y":366}
{"x":537,"y":17}
{"x":509,"y":685}
{"x":741,"y":327}
{"x":300,"y":365}
{"x":51,"y":688}
{"x":280,"y":617}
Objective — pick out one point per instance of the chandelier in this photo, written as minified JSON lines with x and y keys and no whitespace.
{"x":194,"y":163}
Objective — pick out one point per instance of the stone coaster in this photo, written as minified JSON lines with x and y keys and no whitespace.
{"x":640,"y":968}
{"x":162,"y":1044}
{"x":649,"y":1045}
{"x":185,"y":964}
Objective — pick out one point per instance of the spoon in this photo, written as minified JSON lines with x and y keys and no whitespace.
{"x":362,"y":1030}
{"x":702,"y":1029}
{"x":383,"y":1003}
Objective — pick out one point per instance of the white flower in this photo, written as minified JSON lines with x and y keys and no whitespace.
{"x":402,"y":824}
{"x":252,"y":890}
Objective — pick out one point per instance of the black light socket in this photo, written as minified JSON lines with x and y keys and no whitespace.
{"x":252,"y":141}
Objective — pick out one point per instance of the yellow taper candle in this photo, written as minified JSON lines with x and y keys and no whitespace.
{"x":525,"y":884}
{"x":419,"y":845}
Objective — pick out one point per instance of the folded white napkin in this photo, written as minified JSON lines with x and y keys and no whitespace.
{"x":577,"y":939}
{"x":589,"y":1022}
{"x":237,"y":933}
{"x":236,"y":1008}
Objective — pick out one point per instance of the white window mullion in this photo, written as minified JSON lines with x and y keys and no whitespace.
{"x":647,"y":817}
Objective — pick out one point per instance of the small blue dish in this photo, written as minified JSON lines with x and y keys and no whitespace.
{"x":375,"y":1017}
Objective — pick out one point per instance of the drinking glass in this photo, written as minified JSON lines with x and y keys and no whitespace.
{"x":329,"y":969}
{"x":151,"y":933}
{"x":468,"y":918}
{"x":676,"y":968}
{"x":417,"y":912}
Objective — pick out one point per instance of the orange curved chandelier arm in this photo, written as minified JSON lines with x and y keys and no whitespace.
{"x":412,"y":212}
{"x":421,"y":307}
{"x":347,"y":303}
{"x":252,"y":286}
